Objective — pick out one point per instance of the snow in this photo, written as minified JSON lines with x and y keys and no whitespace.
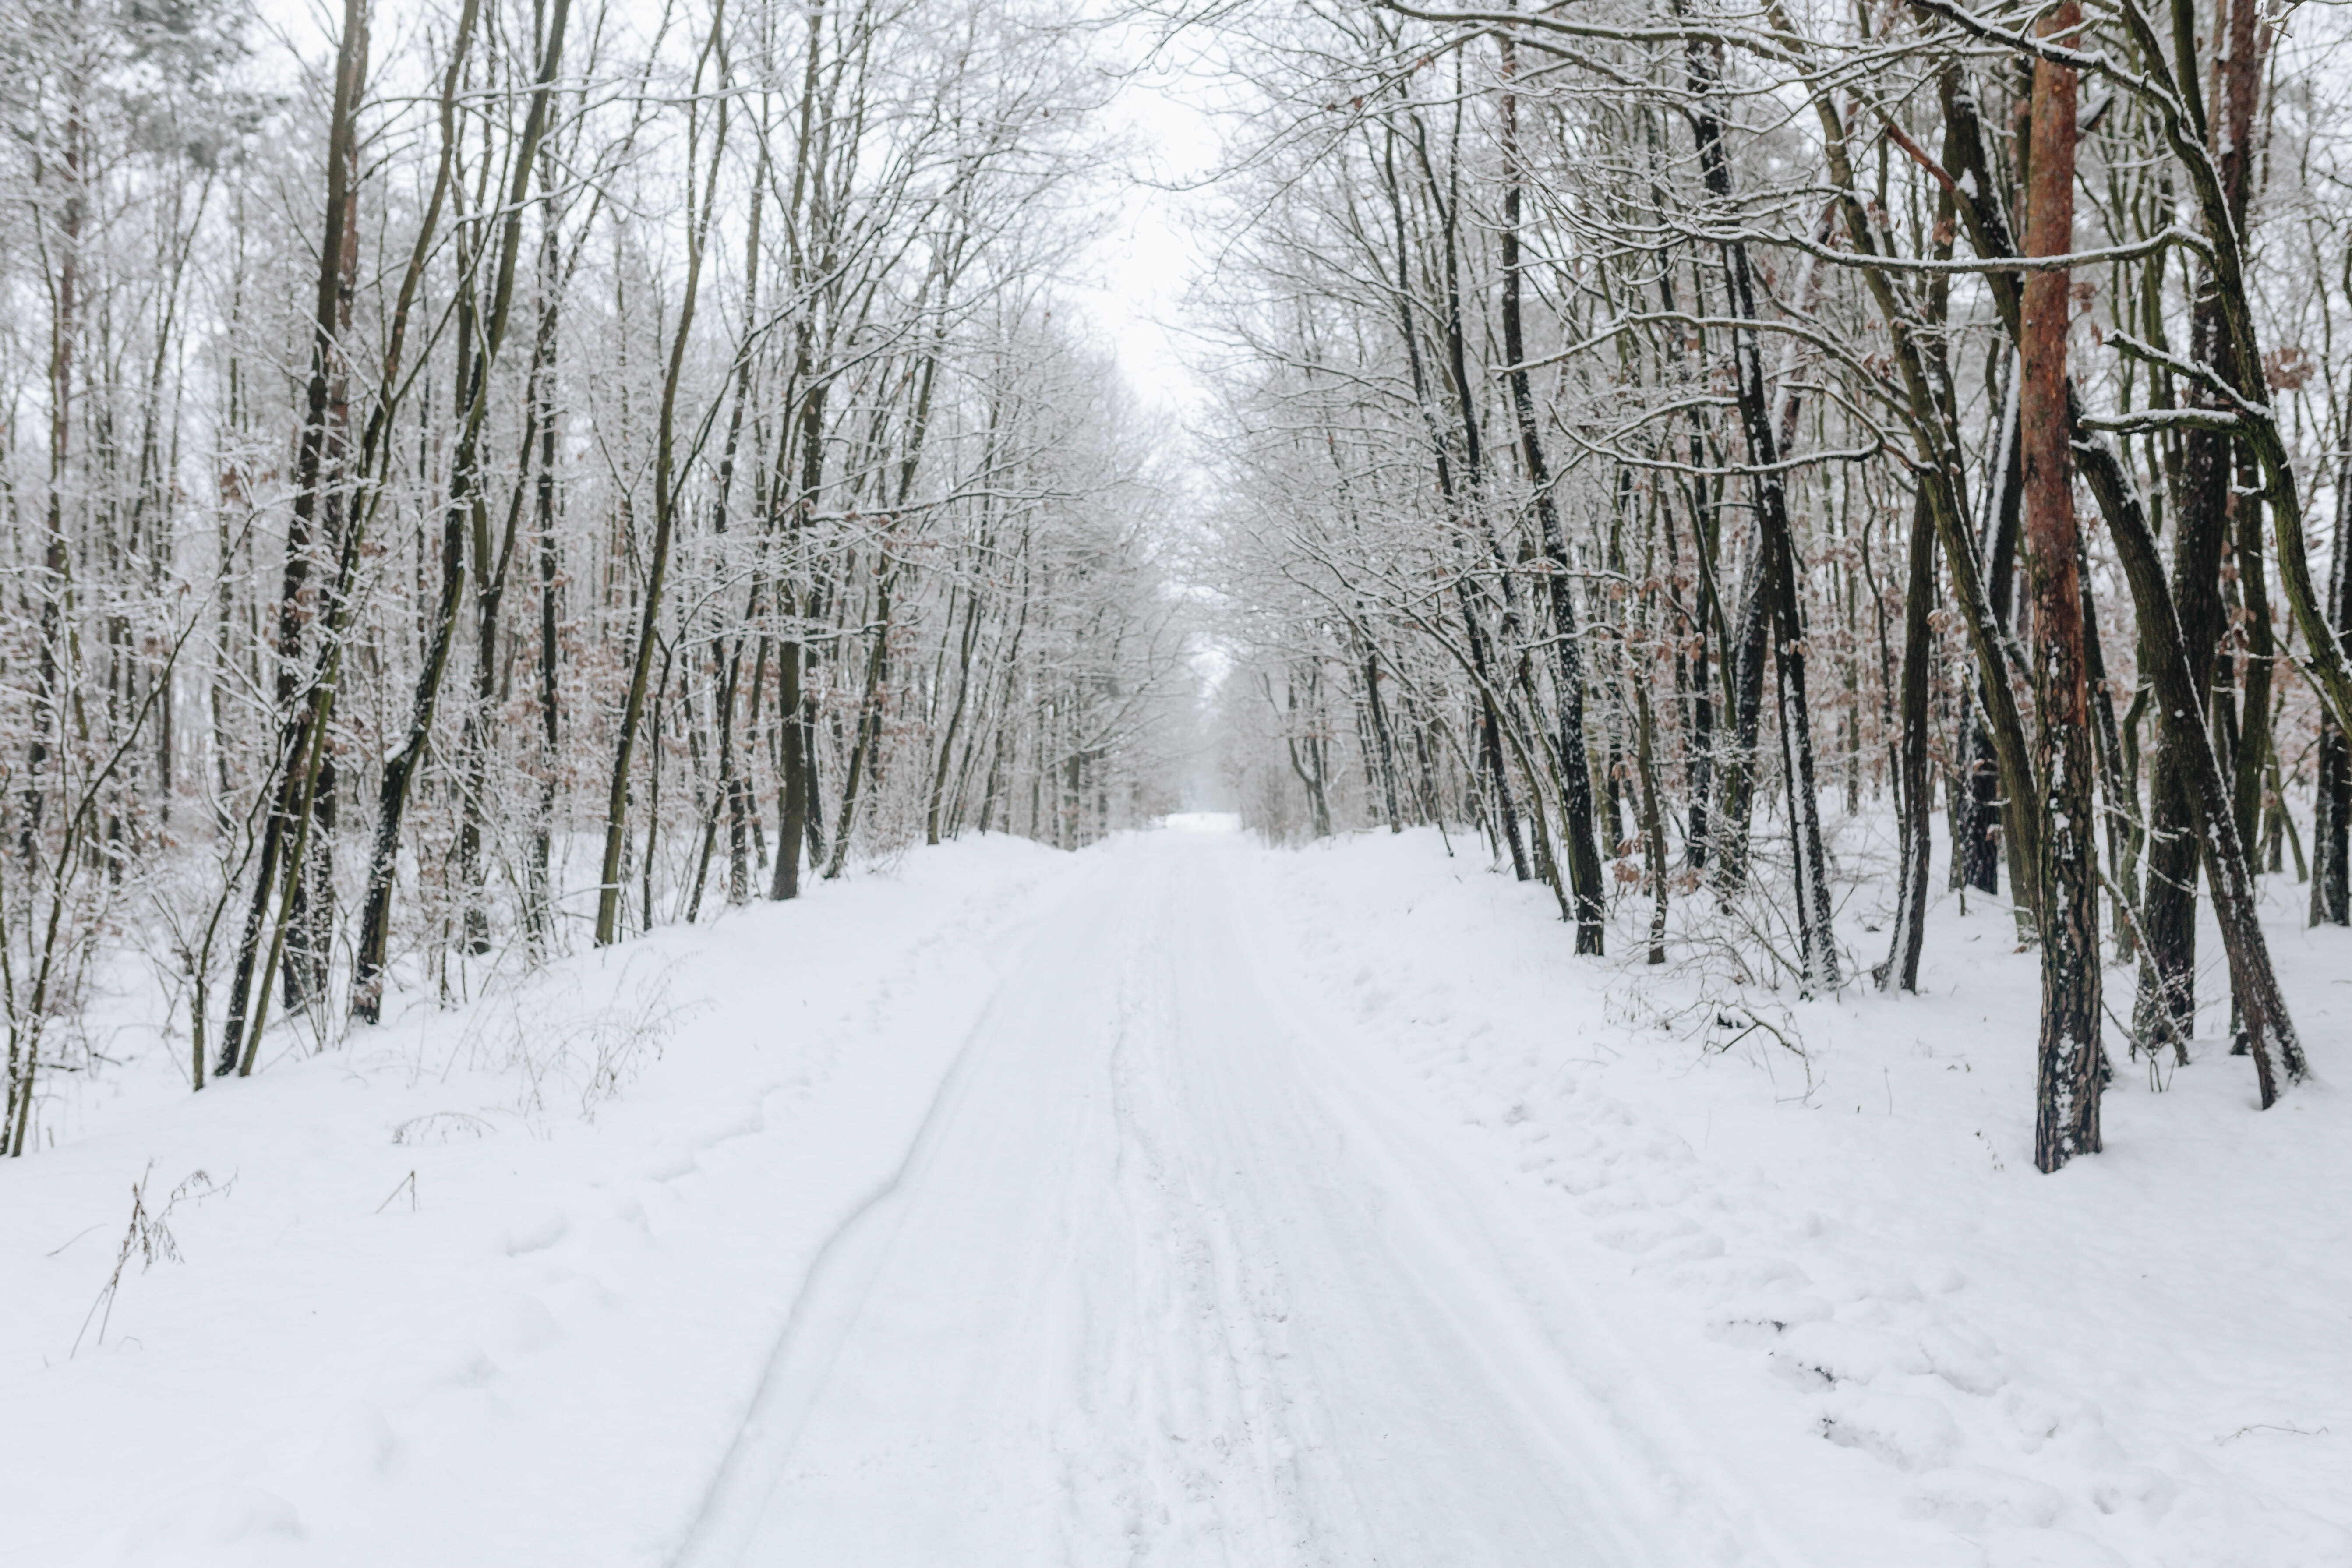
{"x":544,"y":1359}
{"x":2146,"y":1359}
{"x":1188,"y":1202}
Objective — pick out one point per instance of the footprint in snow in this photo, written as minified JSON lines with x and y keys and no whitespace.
{"x":1905,"y":1430}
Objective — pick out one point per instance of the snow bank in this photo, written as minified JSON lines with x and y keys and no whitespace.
{"x":1841,"y":1265}
{"x":407,"y":1272}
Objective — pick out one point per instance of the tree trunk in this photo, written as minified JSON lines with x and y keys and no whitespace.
{"x":2254,"y":751}
{"x":1383,"y":743}
{"x":867,"y":739}
{"x":1653,"y":818}
{"x":1901,"y":970}
{"x":792,"y":816}
{"x":2169,"y":918}
{"x":539,"y":896}
{"x":2331,"y":833}
{"x":2066,"y":1102}
{"x":295,"y":602}
{"x":2262,"y":1008}
{"x":1979,"y":841}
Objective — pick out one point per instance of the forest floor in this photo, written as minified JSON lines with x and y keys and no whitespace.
{"x":1183,"y":1202}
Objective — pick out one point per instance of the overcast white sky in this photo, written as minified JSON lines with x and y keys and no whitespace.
{"x":1149,"y":255}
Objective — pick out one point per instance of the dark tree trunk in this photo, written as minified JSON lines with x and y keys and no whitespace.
{"x":1980,"y":843}
{"x":2262,"y":1008}
{"x":1384,"y":744}
{"x":2169,"y":918}
{"x":792,"y":816}
{"x":2331,"y":845}
{"x":1727,"y":841}
{"x":1653,"y":819}
{"x":2253,"y":754}
{"x":1901,"y":970}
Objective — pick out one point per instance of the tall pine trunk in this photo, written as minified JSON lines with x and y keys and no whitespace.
{"x":2066,"y":1102}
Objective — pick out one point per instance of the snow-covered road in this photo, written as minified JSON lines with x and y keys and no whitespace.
{"x":1190,"y":1203}
{"x":1156,"y":1284}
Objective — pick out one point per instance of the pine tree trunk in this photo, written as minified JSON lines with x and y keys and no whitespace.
{"x":2067,"y":1104}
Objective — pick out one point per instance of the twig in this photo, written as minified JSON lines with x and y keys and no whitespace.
{"x":409,"y":1181}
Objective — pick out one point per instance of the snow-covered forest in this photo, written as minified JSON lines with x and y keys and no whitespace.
{"x":647,"y":624}
{"x":500,"y":490}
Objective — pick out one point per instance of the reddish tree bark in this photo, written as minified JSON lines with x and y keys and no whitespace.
{"x":2067,"y":1104}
